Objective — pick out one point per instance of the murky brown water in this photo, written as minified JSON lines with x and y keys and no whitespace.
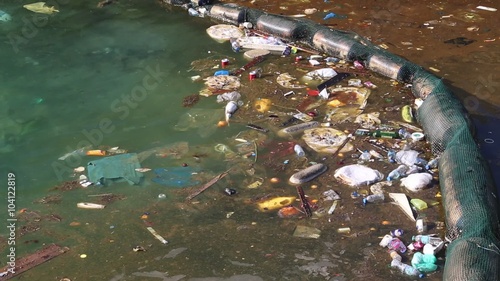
{"x":418,"y":33}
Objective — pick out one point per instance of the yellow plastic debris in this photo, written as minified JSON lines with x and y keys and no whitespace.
{"x":275,"y":203}
{"x":40,"y":7}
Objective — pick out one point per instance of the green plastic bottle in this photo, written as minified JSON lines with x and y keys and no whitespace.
{"x":385,"y":134}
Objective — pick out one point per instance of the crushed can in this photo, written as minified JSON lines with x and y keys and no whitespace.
{"x":252,"y":75}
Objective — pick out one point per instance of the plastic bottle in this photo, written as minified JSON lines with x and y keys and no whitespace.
{"x":376,"y":154}
{"x":385,"y":134}
{"x":391,"y":155}
{"x":193,"y":12}
{"x":427,"y":239}
{"x":374,"y":198}
{"x":235,"y":46}
{"x":395,"y":256}
{"x":365,"y":156}
{"x":397,"y":173}
{"x":420,"y":162}
{"x":404,"y":134}
{"x":386,"y":240}
{"x":397,"y":245}
{"x":413,"y":169}
{"x":299,"y":151}
{"x":329,"y":16}
{"x":432,"y":164}
{"x":406,"y":268}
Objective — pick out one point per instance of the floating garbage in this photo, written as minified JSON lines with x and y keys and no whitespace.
{"x":157,"y":236}
{"x":407,"y":157}
{"x":357,"y":175}
{"x":117,"y":167}
{"x":177,"y":177}
{"x":402,"y":201}
{"x":289,"y":212}
{"x":306,"y":232}
{"x":4,"y":16}
{"x":223,"y":82}
{"x":297,"y":129}
{"x":327,"y":140}
{"x":407,"y":114}
{"x":275,"y":203}
{"x":368,"y":120}
{"x":348,"y":96}
{"x":262,"y":105}
{"x":416,"y":182}
{"x":288,"y":81}
{"x":319,"y":75}
{"x":261,"y":43}
{"x":230,"y":109}
{"x":229,"y":96}
{"x":224,"y":32}
{"x":308,"y":174}
{"x":425,"y":263}
{"x":87,"y":205}
{"x":41,"y":7}
{"x":203,"y":120}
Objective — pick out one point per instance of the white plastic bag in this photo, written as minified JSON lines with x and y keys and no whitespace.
{"x":416,"y":182}
{"x":407,"y":157}
{"x":356,"y":175}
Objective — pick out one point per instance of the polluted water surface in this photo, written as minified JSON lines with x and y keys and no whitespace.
{"x":194,"y":188}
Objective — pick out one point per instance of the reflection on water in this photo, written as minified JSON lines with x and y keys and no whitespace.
{"x":116,"y":77}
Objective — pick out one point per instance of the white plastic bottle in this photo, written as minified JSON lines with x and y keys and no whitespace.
{"x":365,"y":156}
{"x":427,"y":239}
{"x":299,"y":150}
{"x":397,"y":173}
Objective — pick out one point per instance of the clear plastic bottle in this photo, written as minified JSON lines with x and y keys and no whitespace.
{"x":365,"y":156}
{"x":427,"y":239}
{"x":374,"y":198}
{"x":432,"y":164}
{"x":413,"y":169}
{"x":404,"y":134}
{"x":397,"y":173}
{"x":421,"y":162}
{"x":391,"y":155}
{"x":406,"y":268}
{"x":376,"y":154}
{"x":299,"y":150}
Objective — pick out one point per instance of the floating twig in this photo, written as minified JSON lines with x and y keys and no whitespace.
{"x":100,"y":195}
{"x":304,"y":203}
{"x":207,"y":185}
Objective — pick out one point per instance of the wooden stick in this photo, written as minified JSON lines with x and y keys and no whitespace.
{"x":207,"y":185}
{"x":100,"y":195}
{"x":304,"y":203}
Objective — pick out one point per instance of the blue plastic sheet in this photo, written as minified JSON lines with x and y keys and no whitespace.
{"x":177,"y":177}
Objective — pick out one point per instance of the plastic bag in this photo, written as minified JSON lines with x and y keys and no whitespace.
{"x":230,"y":96}
{"x":407,"y":157}
{"x":416,"y":182}
{"x":356,"y":175}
